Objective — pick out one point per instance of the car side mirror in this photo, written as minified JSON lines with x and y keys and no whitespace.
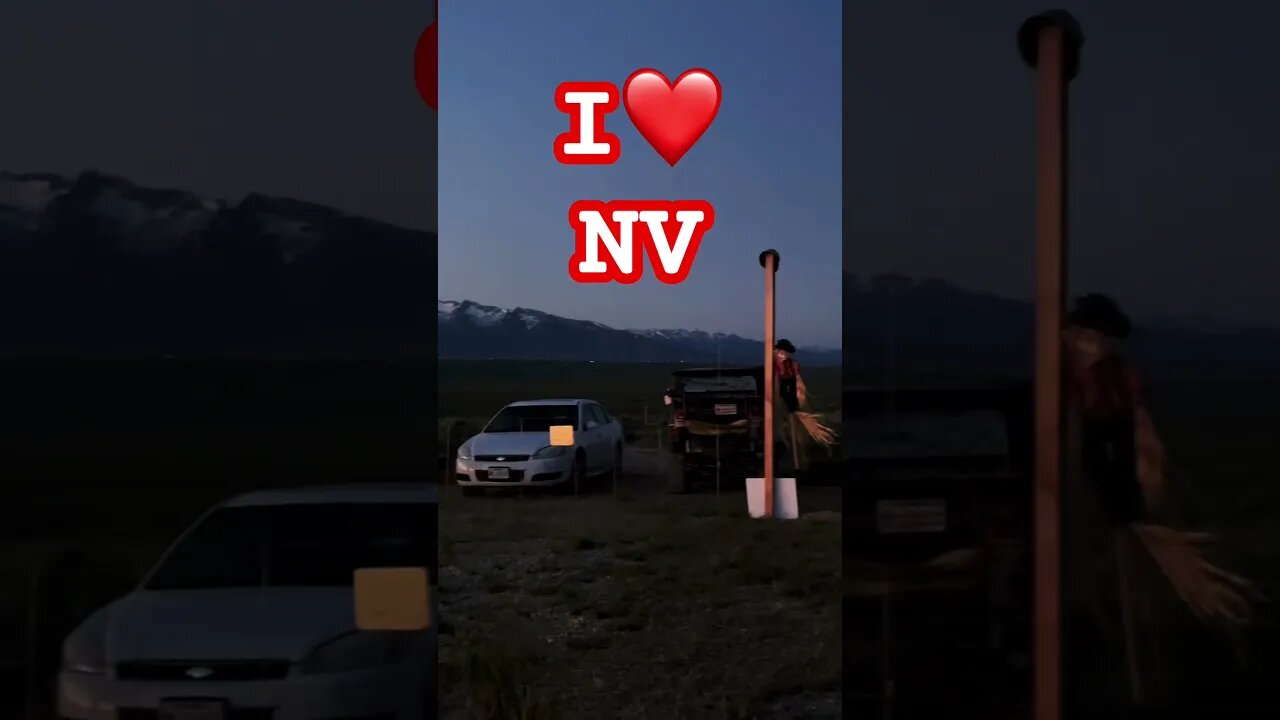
{"x":592,"y":424}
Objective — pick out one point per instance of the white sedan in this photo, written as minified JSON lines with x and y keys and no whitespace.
{"x":251,"y":614}
{"x":514,"y":449}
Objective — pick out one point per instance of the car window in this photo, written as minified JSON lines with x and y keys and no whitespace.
{"x":723,"y":384}
{"x":596,"y":414}
{"x":905,"y":435}
{"x":532,"y":418}
{"x":309,"y":545}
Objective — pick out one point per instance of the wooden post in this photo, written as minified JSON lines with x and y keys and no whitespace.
{"x":1050,"y":43}
{"x":769,"y":260}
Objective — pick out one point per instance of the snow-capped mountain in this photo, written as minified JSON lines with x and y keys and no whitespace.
{"x":470,"y":330}
{"x":98,"y":264}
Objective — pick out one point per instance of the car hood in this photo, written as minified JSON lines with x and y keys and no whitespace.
{"x":239,"y":623}
{"x":524,"y":443}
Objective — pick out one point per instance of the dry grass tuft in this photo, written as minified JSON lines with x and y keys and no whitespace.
{"x":502,"y":683}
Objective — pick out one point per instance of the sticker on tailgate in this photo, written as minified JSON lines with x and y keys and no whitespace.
{"x":911,"y":516}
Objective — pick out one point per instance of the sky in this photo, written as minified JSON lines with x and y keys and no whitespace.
{"x":312,"y":100}
{"x":1174,"y":148}
{"x":770,"y":164}
{"x":1174,"y":143}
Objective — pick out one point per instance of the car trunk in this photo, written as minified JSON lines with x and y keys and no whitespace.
{"x":711,"y":404}
{"x":721,"y":412}
{"x":912,"y":515}
{"x":934,"y":471}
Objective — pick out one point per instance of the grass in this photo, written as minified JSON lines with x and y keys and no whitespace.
{"x":639,"y":608}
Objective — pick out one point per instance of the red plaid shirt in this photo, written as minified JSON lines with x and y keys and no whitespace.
{"x":1107,"y":386}
{"x":787,"y":369}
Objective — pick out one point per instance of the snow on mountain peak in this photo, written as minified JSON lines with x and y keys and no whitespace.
{"x":683,"y":334}
{"x":482,"y":315}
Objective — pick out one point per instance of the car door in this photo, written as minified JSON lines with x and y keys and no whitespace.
{"x":598,"y":452}
{"x":612,"y":435}
{"x":586,"y":438}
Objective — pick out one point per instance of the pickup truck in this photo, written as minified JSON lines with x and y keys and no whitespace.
{"x":714,"y":422}
{"x":938,"y":497}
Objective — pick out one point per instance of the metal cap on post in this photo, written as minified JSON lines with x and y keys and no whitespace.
{"x":1029,"y":39}
{"x":777,"y":259}
{"x":1050,"y":43}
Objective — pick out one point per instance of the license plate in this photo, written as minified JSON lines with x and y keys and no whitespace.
{"x":729,"y":409}
{"x":911,"y":516}
{"x":499,"y":473}
{"x":192,"y":710}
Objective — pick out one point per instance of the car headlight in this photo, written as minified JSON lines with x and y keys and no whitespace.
{"x":552,"y":451}
{"x":360,"y":650}
{"x":464,"y":452}
{"x":84,"y":653}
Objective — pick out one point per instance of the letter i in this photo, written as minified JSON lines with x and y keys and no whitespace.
{"x":586,"y":104}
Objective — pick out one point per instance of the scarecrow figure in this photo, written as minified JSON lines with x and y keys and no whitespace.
{"x":791,"y":389}
{"x":787,"y":371}
{"x":1118,"y":564}
{"x":1100,"y":503}
{"x":789,"y":386}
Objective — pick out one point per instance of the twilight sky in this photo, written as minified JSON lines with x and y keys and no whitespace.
{"x":770,"y":164}
{"x":1175,"y":146}
{"x":313,"y":100}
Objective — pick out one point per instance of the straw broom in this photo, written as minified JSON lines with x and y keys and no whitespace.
{"x":811,"y":422}
{"x":816,"y":429}
{"x":1214,"y":595}
{"x":1217,"y":598}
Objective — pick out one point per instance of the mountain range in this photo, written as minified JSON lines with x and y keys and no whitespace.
{"x":96,"y":264}
{"x":469,"y":330}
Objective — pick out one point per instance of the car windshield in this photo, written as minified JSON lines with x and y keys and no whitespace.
{"x":532,"y":418}
{"x":306,"y":545}
{"x":722,"y":384}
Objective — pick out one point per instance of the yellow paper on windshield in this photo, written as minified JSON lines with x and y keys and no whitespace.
{"x":562,"y":435}
{"x":392,"y":598}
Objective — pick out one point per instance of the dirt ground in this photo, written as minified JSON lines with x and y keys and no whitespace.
{"x":624,"y":602}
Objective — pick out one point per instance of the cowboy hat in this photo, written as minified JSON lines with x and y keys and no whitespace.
{"x":1101,"y":313}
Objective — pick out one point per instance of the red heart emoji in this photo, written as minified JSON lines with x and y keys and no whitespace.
{"x":671,"y":116}
{"x":426,"y":64}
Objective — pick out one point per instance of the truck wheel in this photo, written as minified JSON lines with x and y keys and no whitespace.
{"x":677,"y":476}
